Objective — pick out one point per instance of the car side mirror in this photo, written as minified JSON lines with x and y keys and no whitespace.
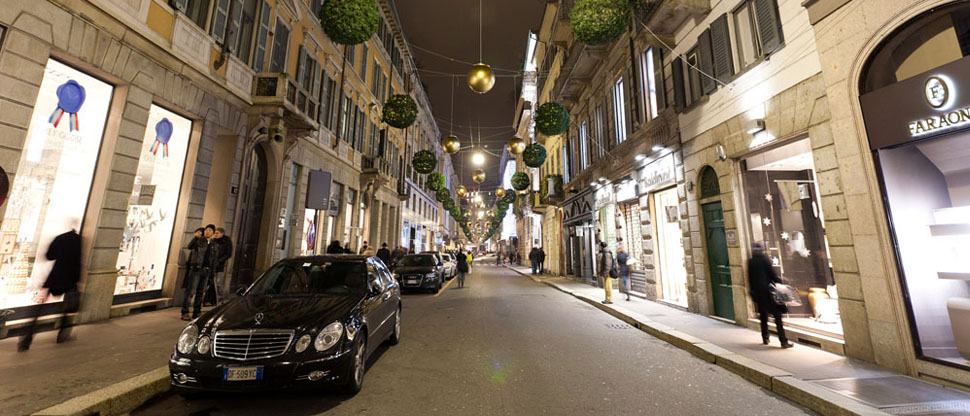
{"x":241,"y":291}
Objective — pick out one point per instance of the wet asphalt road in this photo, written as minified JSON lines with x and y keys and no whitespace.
{"x":505,"y":345}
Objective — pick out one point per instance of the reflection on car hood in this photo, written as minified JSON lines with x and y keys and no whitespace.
{"x":413,"y":269}
{"x":279,"y":312}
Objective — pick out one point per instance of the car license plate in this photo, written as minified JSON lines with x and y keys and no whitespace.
{"x":242,"y":373}
{"x":411,"y":281}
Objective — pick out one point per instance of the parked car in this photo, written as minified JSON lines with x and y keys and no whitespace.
{"x":449,"y":264}
{"x":421,"y":272}
{"x":307,"y":322}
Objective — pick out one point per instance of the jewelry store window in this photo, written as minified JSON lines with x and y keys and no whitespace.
{"x":785,"y":215}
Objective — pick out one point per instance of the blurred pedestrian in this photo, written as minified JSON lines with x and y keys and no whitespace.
{"x":462,"y":268}
{"x":623,"y":266}
{"x":195,"y":281}
{"x":222,"y":249}
{"x":606,"y":271}
{"x":65,"y":252}
{"x":384,"y":254}
{"x":347,"y":249}
{"x":334,"y":247}
{"x":470,"y":259}
{"x":363,"y":249}
{"x":761,"y":277}
{"x":542,"y":260}
{"x":534,"y":260}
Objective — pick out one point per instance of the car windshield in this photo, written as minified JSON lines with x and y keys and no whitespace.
{"x":422,"y":260}
{"x":312,"y":277}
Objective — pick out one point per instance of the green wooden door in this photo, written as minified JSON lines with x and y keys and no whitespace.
{"x":717,"y":261}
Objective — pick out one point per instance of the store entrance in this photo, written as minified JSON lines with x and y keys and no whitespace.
{"x":251,"y":214}
{"x":673,"y":274}
{"x":717,"y":259}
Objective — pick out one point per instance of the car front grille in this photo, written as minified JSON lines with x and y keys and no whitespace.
{"x":251,"y":344}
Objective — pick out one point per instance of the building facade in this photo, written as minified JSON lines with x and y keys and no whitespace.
{"x":135,"y":122}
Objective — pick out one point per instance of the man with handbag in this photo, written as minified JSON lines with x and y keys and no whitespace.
{"x":761,"y":281}
{"x":606,"y":271}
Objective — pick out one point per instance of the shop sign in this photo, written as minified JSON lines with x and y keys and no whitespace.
{"x":604,"y":197}
{"x":661,"y":172}
{"x":626,"y":191}
{"x":918,"y":107}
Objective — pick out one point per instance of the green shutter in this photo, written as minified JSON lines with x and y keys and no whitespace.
{"x":705,"y":60}
{"x":769,"y":25}
{"x":721,"y":48}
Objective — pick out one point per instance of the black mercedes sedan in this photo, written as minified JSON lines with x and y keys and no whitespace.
{"x":420,"y":271}
{"x":306,"y":322}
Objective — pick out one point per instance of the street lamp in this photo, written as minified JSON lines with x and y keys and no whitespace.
{"x":478,"y":158}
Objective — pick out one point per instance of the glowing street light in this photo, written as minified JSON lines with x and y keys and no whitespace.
{"x":478,"y":158}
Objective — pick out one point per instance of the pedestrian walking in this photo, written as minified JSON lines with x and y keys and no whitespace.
{"x":334,"y":247}
{"x":607,"y":271}
{"x":470,"y":258}
{"x":347,"y":249}
{"x":462,"y":268}
{"x":761,"y":278}
{"x":65,"y":252}
{"x":542,"y":260}
{"x":623,"y":267}
{"x":363,"y":249}
{"x":222,"y":252}
{"x":384,"y":254}
{"x":198,"y":275}
{"x":534,"y":260}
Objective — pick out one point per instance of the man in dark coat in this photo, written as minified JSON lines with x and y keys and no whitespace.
{"x":462,"y":268}
{"x":221,"y":253}
{"x":542,"y":259}
{"x":197,"y":277}
{"x":65,"y":252}
{"x":384,"y":254}
{"x":534,"y":259}
{"x":334,"y":248}
{"x":761,"y":275}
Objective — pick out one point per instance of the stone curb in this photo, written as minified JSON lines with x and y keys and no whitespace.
{"x":776,"y":380}
{"x":116,"y":399}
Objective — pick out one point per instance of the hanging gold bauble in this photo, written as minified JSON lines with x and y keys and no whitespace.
{"x":478,"y":176}
{"x":500,"y":192}
{"x":516,"y":145}
{"x":451,"y":144}
{"x":461,"y":191}
{"x":480,"y":78}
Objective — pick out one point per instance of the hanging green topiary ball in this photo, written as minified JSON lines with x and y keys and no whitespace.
{"x":596,"y":22}
{"x":349,"y":22}
{"x":552,"y":119}
{"x":521,"y":181}
{"x":442,"y":195}
{"x":424,"y":161}
{"x":534,"y":155}
{"x":435,"y":182}
{"x":400,"y":111}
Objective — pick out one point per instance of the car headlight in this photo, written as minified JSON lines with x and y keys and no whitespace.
{"x":303,"y":343}
{"x":188,"y":338}
{"x":328,"y":337}
{"x":430,"y":276}
{"x":203,"y":345}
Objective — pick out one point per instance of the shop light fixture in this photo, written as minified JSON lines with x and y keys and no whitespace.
{"x":603,"y":179}
{"x":658,"y":148}
{"x":594,"y":184}
{"x":640,"y":157}
{"x":755,"y":126}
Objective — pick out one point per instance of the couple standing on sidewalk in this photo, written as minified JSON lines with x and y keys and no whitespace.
{"x":762,"y":280}
{"x":209,"y":251}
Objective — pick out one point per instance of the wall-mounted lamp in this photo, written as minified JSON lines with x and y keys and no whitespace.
{"x":754,"y":126}
{"x":720,"y":152}
{"x":658,"y":148}
{"x":690,"y":186}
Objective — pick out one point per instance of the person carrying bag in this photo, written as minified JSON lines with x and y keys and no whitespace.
{"x":769,"y":294}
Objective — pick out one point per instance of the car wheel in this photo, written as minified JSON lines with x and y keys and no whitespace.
{"x":355,"y":379}
{"x":395,"y":337}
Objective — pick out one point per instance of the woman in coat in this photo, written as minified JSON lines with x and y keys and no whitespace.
{"x":623,"y":266}
{"x":761,"y":275}
{"x":462,"y":268}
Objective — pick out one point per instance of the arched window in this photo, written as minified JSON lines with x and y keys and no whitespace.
{"x":709,"y":184}
{"x":936,"y":38}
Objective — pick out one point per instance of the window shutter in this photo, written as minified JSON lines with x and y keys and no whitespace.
{"x":280,"y":39}
{"x":769,"y":26}
{"x":324,"y":105}
{"x":680,"y":98}
{"x":261,"y":36}
{"x":235,"y":25}
{"x":721,"y":48}
{"x":705,"y":60}
{"x":658,"y":77}
{"x":219,"y":17}
{"x":300,"y":66}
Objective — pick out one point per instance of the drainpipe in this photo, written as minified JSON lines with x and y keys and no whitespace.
{"x":340,"y":98}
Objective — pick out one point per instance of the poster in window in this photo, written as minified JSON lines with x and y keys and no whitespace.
{"x":152,"y":205}
{"x":49,"y":193}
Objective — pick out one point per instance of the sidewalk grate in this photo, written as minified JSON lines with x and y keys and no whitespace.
{"x":946,"y":408}
{"x":908,"y":396}
{"x":614,"y":325}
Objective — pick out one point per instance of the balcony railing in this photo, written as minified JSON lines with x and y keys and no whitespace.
{"x":371,"y":164}
{"x":277,"y":89}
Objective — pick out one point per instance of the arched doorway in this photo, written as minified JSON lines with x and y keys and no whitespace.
{"x":722,"y":292}
{"x":251,"y":215}
{"x":917,"y":117}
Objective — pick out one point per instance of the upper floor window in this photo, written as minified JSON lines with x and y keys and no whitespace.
{"x":196,"y":10}
{"x":619,"y":110}
{"x":363,"y":62}
{"x":261,"y":34}
{"x":281,"y":41}
{"x":583,"y":138}
{"x":565,"y":163}
{"x":650,"y":74}
{"x":693,"y":84}
{"x":746,"y":35}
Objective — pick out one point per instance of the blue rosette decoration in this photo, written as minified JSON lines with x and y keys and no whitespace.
{"x":163,"y":133}
{"x":70,"y":98}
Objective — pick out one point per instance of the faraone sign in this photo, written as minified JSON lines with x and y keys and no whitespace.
{"x":938,"y":92}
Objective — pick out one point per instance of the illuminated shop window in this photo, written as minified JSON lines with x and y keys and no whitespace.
{"x":52,"y":181}
{"x":153,"y":203}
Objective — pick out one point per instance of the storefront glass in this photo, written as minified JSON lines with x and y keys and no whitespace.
{"x":153,"y":202}
{"x":52,"y":181}
{"x":308,"y":245}
{"x":670,"y":247}
{"x":785,"y":216}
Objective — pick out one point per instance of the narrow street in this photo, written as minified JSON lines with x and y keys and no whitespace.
{"x":505,"y":345}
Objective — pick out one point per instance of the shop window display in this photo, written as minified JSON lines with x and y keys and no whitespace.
{"x":670,"y":247}
{"x":52,"y":182}
{"x":786,"y":217}
{"x":152,"y":205}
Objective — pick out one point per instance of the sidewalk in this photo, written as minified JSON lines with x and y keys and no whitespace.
{"x":103,"y":354}
{"x":822,"y":381}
